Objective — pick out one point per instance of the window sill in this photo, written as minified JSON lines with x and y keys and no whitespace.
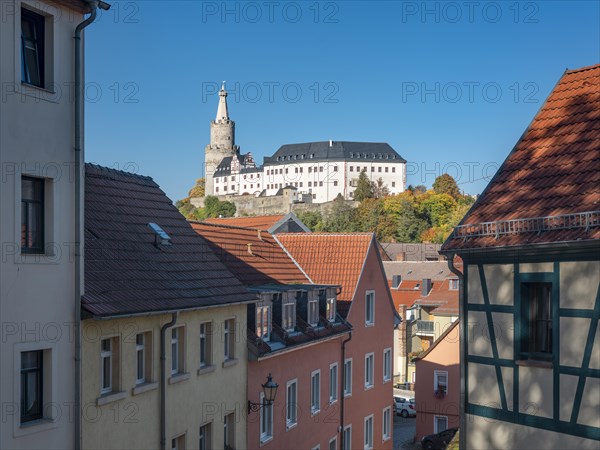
{"x":37,"y":258}
{"x":369,"y":324}
{"x":35,"y":426}
{"x":179,"y":377}
{"x":333,"y":402}
{"x":144,"y":387}
{"x":369,"y":387}
{"x":110,"y":397}
{"x":289,"y":426}
{"x":230,"y":362}
{"x":534,"y":363}
{"x":347,"y":394}
{"x":266,"y":440}
{"x":206,"y":369}
{"x":38,"y":92}
{"x":386,"y":381}
{"x":315,"y":412}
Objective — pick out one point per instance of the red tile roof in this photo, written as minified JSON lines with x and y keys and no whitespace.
{"x":330,"y":258}
{"x":554,"y":170}
{"x":267,"y":263}
{"x":125,"y":273}
{"x":260,"y":222}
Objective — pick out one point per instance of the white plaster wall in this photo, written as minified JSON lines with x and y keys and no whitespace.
{"x":483,"y":434}
{"x":37,"y":292}
{"x":579,"y":284}
{"x":500,"y":283}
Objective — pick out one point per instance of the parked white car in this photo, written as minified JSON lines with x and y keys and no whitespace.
{"x":404,"y":407}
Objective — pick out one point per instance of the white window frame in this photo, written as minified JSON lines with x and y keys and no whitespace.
{"x":316,"y":447}
{"x":435,"y":423}
{"x":347,"y":437}
{"x":333,"y":382}
{"x":387,"y":365}
{"x":229,"y":339}
{"x":331,"y":309}
{"x":369,"y":370}
{"x":315,"y":397}
{"x":266,"y":420}
{"x":288,"y":312}
{"x":260,"y":325}
{"x":228,"y":426}
{"x":333,"y":441}
{"x":451,"y":282}
{"x":205,"y":340}
{"x":140,"y":348}
{"x":347,"y":377}
{"x":370,"y":308}
{"x":386,"y":423}
{"x":291,"y":405}
{"x":106,"y":354}
{"x":436,"y":375}
{"x":178,"y":350}
{"x":368,"y":432}
{"x":206,"y":436}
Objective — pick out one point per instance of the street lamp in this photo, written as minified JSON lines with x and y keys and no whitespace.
{"x":270,"y":391}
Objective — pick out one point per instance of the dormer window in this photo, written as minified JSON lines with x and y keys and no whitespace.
{"x":313,"y":311}
{"x":263,"y":320}
{"x":453,"y":284}
{"x":330,"y":309}
{"x":288,"y":312}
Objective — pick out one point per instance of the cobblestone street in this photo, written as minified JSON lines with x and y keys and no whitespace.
{"x":404,"y":433}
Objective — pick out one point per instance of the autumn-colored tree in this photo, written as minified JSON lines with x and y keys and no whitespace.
{"x":445,"y":184}
{"x":198,"y":189}
{"x":439,"y":208}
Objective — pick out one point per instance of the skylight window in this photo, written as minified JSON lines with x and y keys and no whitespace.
{"x":160,"y":236}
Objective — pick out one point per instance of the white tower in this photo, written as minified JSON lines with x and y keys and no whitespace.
{"x":222,"y":141}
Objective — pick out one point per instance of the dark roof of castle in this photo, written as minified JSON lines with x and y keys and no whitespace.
{"x":224,"y":167}
{"x":125,"y":272}
{"x":339,"y":150}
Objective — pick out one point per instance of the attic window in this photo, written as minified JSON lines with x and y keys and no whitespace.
{"x":160,"y":236}
{"x":417,"y":286}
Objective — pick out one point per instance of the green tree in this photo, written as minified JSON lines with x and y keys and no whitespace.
{"x":404,"y":218}
{"x":380,"y":189}
{"x":445,"y":184}
{"x":341,"y":217}
{"x":213,"y":207}
{"x":312,"y":219}
{"x":439,"y":208}
{"x":364,"y":188}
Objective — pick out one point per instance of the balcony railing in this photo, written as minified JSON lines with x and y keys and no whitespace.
{"x":425,"y":326}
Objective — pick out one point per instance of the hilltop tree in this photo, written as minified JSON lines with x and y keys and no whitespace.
{"x":439,"y":208}
{"x":364,"y":188}
{"x":213,"y":207}
{"x":198,"y":189}
{"x":445,"y":184}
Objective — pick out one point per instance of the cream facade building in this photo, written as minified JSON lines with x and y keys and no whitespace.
{"x":164,"y":326}
{"x":38,"y":231}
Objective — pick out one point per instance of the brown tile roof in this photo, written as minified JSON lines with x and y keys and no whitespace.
{"x":260,"y":222}
{"x":330,"y":258}
{"x":440,"y":296}
{"x":125,"y":273}
{"x":268,"y":262}
{"x":553,"y":170}
{"x":411,"y":270}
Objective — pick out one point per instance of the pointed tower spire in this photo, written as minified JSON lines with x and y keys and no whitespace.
{"x":222,"y":113}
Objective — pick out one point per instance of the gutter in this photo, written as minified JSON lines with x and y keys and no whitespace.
{"x":462,"y":319}
{"x":342,"y":397}
{"x":79,"y":161}
{"x":163,"y":380}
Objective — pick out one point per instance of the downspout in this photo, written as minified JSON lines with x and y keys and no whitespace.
{"x":342,"y":397}
{"x":463,"y":336}
{"x":78,"y":214}
{"x":163,"y":380}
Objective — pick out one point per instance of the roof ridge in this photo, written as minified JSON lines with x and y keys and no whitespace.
{"x":358,"y":233}
{"x":110,"y":170}
{"x":581,"y":69}
{"x":202,"y":222}
{"x":246,"y":217}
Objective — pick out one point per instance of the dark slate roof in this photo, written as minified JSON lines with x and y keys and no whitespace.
{"x":339,"y":151}
{"x":546,"y":191}
{"x":224,"y":167}
{"x":125,"y":273}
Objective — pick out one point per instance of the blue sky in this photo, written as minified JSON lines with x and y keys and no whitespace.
{"x":450,"y":85}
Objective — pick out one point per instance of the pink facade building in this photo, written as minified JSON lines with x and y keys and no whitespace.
{"x":437,"y":391}
{"x":353,"y":262}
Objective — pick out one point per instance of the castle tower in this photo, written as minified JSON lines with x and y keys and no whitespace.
{"x":222,"y":141}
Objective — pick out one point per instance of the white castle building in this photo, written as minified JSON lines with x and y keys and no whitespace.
{"x":318,"y":171}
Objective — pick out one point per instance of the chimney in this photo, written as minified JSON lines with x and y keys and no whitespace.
{"x":396,"y":279}
{"x":426,"y":286}
{"x":250,"y":249}
{"x":330,"y":143}
{"x":401,"y":256}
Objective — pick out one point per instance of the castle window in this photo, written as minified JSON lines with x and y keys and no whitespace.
{"x":386,"y":169}
{"x":301,"y":184}
{"x":320,"y":184}
{"x":393,"y":184}
{"x":310,"y":170}
{"x":217,"y":189}
{"x":335,"y":183}
{"x":351,"y":168}
{"x":310,"y":184}
{"x":320,"y":168}
{"x":393,"y":170}
{"x":301,"y":169}
{"x":232,"y":178}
